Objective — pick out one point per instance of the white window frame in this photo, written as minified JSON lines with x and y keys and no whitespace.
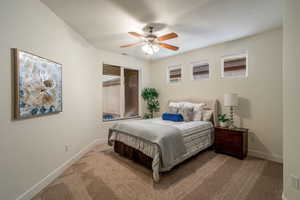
{"x":232,"y":56}
{"x":192,"y":64}
{"x":122,"y":91}
{"x":172,"y":68}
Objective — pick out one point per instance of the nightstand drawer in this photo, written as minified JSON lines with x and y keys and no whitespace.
{"x":229,"y":139}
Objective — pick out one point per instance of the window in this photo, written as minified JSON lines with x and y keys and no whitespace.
{"x":174,"y":74}
{"x":120,"y":92}
{"x":235,"y":66}
{"x":200,"y":71}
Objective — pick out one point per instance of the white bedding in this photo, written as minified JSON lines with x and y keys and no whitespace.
{"x":197,"y":136}
{"x":186,"y":127}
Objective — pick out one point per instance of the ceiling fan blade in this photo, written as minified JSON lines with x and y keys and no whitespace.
{"x":135,"y":34}
{"x":132,"y":45}
{"x":168,"y":46}
{"x":167,"y":37}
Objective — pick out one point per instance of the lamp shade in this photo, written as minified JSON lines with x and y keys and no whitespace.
{"x":231,"y":100}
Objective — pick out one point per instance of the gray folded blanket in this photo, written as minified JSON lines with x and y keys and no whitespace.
{"x":168,"y":138}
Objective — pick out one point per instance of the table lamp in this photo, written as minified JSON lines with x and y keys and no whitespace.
{"x":231,"y":100}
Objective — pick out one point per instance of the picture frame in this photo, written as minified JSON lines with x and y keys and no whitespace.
{"x":37,"y":85}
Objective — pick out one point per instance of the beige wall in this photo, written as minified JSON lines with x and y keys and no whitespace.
{"x":291,"y":97}
{"x":31,"y":149}
{"x":261,"y":92}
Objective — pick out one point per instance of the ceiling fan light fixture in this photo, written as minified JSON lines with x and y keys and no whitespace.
{"x":155,"y":47}
{"x":151,"y":43}
{"x":150,"y":48}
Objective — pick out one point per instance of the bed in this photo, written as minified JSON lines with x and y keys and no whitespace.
{"x":160,"y":144}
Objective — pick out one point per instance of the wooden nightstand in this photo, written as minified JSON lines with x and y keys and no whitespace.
{"x":232,"y":141}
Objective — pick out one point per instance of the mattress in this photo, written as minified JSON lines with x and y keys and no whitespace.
{"x":197,"y":136}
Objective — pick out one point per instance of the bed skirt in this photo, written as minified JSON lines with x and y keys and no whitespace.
{"x":133,"y":154}
{"x":139,"y":157}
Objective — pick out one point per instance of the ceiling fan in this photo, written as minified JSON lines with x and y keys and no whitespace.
{"x":152,"y":43}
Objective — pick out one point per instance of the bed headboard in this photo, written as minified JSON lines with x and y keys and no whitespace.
{"x":211,"y":104}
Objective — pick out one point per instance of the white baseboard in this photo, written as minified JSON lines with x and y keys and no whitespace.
{"x":283,"y":197}
{"x":267,"y":156}
{"x":35,"y":189}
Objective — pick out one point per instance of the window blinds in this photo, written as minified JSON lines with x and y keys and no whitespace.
{"x":235,"y":64}
{"x":201,"y":69}
{"x":175,"y":74}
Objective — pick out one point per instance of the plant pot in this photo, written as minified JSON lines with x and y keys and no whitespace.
{"x":224,"y":124}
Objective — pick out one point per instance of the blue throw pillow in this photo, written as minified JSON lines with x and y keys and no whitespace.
{"x":172,"y":117}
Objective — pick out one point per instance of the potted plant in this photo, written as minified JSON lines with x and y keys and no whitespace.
{"x":223,"y":120}
{"x":150,"y":95}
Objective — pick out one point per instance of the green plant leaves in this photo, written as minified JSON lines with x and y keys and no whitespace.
{"x":151,"y":96}
{"x":222,"y":118}
{"x":147,"y":116}
{"x":149,"y":93}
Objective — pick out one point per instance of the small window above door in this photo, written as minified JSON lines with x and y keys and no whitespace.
{"x":200,"y":70}
{"x":174,"y":74}
{"x":235,"y":66}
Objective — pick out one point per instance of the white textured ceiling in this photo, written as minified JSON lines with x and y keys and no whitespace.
{"x":199,"y":23}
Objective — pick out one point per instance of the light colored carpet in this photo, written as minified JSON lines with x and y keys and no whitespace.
{"x":103,"y":175}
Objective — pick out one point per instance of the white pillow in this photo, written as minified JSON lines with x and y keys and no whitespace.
{"x":173,"y":107}
{"x":207,"y":114}
{"x":188,"y":104}
{"x":187,"y":111}
{"x":180,"y":106}
{"x":198,"y":111}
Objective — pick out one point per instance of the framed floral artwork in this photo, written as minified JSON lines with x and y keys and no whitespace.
{"x":38,"y":85}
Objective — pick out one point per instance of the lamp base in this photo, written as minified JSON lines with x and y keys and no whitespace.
{"x":231,"y":126}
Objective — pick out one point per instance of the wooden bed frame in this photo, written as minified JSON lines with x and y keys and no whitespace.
{"x":132,"y":154}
